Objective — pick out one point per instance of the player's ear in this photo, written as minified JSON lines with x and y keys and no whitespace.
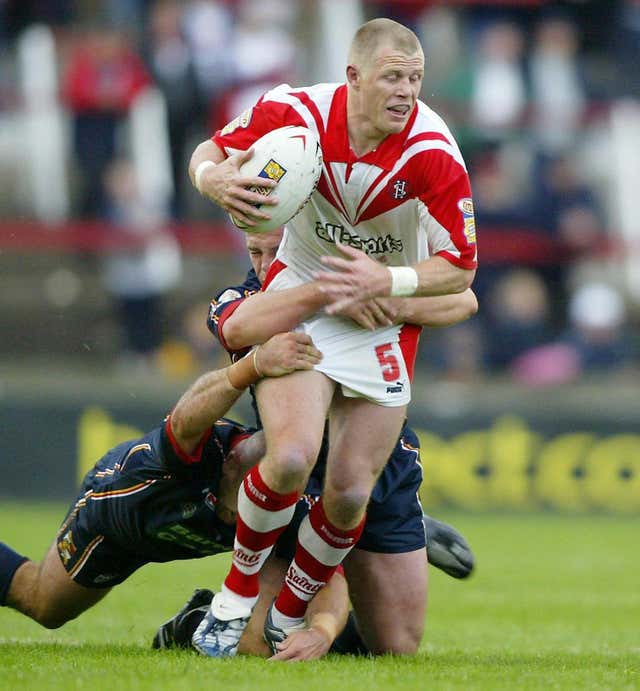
{"x":353,"y":76}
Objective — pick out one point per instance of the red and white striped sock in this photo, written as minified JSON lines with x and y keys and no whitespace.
{"x":262,"y":515}
{"x":320,"y":550}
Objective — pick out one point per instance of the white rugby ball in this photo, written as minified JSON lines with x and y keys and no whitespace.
{"x":292,"y":157}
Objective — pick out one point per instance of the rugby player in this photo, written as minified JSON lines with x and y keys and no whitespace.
{"x":395,"y":185}
{"x":392,"y":545}
{"x":168,"y":495}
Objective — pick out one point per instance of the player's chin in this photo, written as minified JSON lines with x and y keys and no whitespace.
{"x":394,"y":123}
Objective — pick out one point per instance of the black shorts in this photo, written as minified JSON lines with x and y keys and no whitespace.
{"x":394,"y":514}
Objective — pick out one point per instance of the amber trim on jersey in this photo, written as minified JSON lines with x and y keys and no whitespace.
{"x":85,"y":556}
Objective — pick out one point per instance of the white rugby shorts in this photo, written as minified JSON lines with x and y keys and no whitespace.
{"x":367,"y":364}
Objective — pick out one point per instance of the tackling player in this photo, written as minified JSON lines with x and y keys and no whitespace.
{"x":168,"y":495}
{"x":394,"y":184}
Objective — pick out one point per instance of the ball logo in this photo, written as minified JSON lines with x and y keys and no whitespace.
{"x":273,"y":170}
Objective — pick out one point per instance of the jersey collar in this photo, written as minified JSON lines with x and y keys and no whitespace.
{"x":337,"y":148}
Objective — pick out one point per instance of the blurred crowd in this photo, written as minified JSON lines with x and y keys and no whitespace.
{"x":527,"y":89}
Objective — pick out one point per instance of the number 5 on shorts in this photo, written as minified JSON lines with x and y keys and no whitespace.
{"x":389,"y":365}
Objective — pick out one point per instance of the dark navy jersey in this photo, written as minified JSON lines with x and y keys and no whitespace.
{"x":225,"y":304}
{"x":147,"y":501}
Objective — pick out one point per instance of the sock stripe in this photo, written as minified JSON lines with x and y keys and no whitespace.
{"x":258,"y":492}
{"x":253,"y":540}
{"x":262,"y":516}
{"x":313,"y":566}
{"x":259,"y":517}
{"x":314,"y":544}
{"x":340,"y":539}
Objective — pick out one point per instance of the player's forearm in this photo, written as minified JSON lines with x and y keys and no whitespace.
{"x":329,"y":609}
{"x":437,"y":276}
{"x":436,"y":311}
{"x":205,"y":151}
{"x":264,"y":314}
{"x":210,"y":398}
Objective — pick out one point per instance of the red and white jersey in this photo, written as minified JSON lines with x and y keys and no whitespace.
{"x":405,"y":201}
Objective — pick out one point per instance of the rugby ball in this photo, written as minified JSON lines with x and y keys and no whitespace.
{"x":292,"y":157}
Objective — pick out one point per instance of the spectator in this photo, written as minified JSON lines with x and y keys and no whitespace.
{"x":627,"y":48}
{"x":447,"y":82}
{"x":208,"y":26}
{"x":499,"y":97}
{"x":596,"y":340}
{"x":518,"y":317}
{"x":566,"y":205}
{"x":170,"y":62}
{"x":255,"y":69}
{"x":139,"y":276}
{"x":557,"y":88}
{"x":598,"y":328}
{"x":102,"y":79}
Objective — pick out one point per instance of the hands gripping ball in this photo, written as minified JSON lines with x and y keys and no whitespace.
{"x":292,"y":157}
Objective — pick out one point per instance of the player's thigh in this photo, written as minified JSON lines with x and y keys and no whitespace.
{"x":362,"y":436}
{"x":389,"y":597}
{"x":56,"y":597}
{"x":293,"y":411}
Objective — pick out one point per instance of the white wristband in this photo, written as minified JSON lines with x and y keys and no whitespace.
{"x":404,"y":281}
{"x":197,"y":176}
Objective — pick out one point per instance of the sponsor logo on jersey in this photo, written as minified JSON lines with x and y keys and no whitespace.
{"x":245,"y":558}
{"x":210,"y":500}
{"x":66,"y":548}
{"x":104,"y":578}
{"x":398,"y":387}
{"x":241,"y":121}
{"x":228,"y":296}
{"x":332,"y":232}
{"x":301,"y":582}
{"x":181,"y":535}
{"x":466,"y":206}
{"x":188,"y":510}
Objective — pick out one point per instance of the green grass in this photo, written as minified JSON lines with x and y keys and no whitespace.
{"x":554,"y":604}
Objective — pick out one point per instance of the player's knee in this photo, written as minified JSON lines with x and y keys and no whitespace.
{"x":404,"y":640}
{"x":293,"y":461}
{"x":343,"y":505}
{"x":49,"y":617}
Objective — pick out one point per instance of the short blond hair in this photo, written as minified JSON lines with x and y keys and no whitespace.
{"x":377,"y":32}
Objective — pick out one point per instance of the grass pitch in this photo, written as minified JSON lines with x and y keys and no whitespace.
{"x":554,"y":604}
